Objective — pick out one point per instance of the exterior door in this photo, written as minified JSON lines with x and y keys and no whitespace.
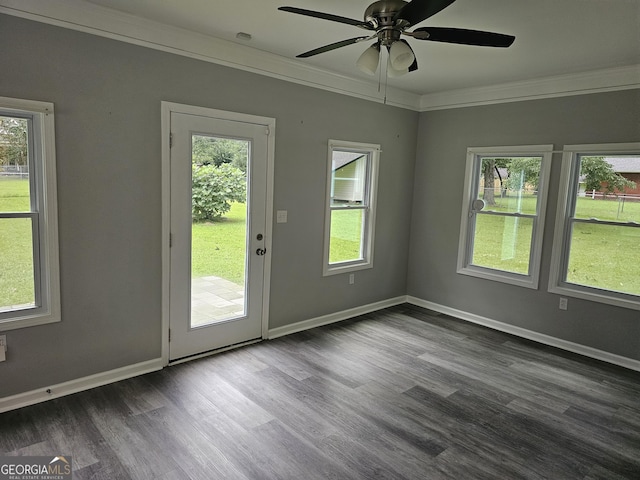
{"x":218,"y":220}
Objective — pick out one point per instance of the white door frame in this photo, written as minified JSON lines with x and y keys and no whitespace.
{"x":270,"y":125}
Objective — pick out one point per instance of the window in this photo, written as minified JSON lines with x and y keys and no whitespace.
{"x":597,"y":236}
{"x":29,"y":278}
{"x":350,"y":215}
{"x":503,"y":213}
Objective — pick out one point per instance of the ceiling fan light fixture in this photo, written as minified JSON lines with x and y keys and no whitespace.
{"x":368,"y":61}
{"x":393,"y":73}
{"x":400,"y":56}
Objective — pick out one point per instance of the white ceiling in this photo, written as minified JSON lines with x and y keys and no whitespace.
{"x":553,"y":37}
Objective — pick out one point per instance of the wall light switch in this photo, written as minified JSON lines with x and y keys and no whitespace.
{"x":281,"y":216}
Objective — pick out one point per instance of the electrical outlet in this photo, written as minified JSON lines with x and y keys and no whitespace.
{"x":352,"y":278}
{"x":3,"y":342}
{"x":564,"y":303}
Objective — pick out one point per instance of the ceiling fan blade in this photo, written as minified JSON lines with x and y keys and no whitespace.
{"x":416,"y":11}
{"x":332,"y":46}
{"x":328,"y":16}
{"x":462,"y":36}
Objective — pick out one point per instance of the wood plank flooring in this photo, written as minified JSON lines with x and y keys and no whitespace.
{"x":399,"y":394}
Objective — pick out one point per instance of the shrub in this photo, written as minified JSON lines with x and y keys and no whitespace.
{"x":213,"y":190}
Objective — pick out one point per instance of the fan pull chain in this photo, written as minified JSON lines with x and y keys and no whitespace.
{"x":386,"y":78}
{"x":380,"y":71}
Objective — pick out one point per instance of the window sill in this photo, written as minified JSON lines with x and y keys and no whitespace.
{"x":338,"y":269}
{"x":596,"y":295}
{"x":525,"y":281}
{"x":28,"y":320}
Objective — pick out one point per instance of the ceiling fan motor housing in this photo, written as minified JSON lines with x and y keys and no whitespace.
{"x":381,"y":14}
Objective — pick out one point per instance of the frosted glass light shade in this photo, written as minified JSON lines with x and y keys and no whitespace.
{"x":392,"y":72}
{"x":368,"y":61}
{"x":400,"y":56}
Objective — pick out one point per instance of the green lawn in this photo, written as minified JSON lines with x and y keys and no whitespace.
{"x":346,"y":232}
{"x":601,"y":256}
{"x":610,"y":209}
{"x":218,"y":248}
{"x":16,"y":256}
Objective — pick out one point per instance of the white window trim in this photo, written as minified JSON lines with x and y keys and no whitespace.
{"x":373,"y":151}
{"x":49,"y":309}
{"x":561,"y":239}
{"x":464,"y":266}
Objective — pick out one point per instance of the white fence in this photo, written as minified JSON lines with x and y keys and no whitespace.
{"x":15,"y":171}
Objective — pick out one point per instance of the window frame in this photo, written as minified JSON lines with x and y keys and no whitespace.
{"x":372,"y":151}
{"x":44,"y":214}
{"x":467,"y":223}
{"x":569,"y":179}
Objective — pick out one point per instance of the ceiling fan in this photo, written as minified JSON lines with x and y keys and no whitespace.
{"x":388,"y":20}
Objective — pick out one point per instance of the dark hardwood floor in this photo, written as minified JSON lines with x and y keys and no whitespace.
{"x":401,"y":393}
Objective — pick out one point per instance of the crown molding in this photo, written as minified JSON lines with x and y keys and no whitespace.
{"x":607,"y":80}
{"x":97,"y":20}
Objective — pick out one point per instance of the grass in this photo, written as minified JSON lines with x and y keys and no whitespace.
{"x":605,"y":257}
{"x":502,"y":243}
{"x":346,"y":232}
{"x":601,"y":256}
{"x":614,"y":209}
{"x":16,"y":255}
{"x":219,"y":248}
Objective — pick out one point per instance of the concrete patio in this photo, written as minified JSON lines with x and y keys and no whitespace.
{"x":214,"y":299}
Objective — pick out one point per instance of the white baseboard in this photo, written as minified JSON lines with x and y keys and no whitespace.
{"x":73,"y":386}
{"x":334,"y":317}
{"x":529,"y":334}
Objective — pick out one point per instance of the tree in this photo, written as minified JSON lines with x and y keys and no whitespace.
{"x":13,"y":141}
{"x":489,"y":169}
{"x":524,"y":170}
{"x":599,"y":176}
{"x":214,"y":188}
{"x":218,"y":151}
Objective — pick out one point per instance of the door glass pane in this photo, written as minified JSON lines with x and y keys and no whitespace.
{"x":345,"y":243}
{"x":219,"y":229}
{"x":17,"y":283}
{"x":603,"y":256}
{"x":502,"y":243}
{"x":510,"y":184}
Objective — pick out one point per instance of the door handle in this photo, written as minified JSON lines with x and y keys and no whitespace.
{"x":261,"y":251}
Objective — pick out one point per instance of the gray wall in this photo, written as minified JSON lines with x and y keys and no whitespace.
{"x":107,"y":98}
{"x":443,"y":138}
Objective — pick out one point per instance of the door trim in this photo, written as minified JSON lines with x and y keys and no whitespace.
{"x":269,"y":123}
